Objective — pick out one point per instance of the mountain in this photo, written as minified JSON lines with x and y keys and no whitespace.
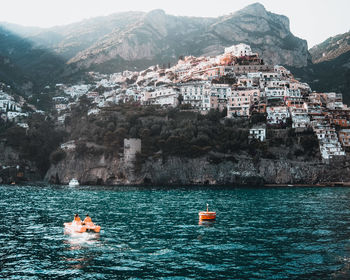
{"x":136,"y":40}
{"x":328,"y":76}
{"x":331,"y":48}
{"x":22,"y":63}
{"x":158,"y":37}
{"x":330,"y":70}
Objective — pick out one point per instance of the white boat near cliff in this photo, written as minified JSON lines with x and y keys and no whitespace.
{"x":73,"y":182}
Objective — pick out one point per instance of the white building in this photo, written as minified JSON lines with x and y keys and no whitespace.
{"x":196,"y":94}
{"x":164,"y":96}
{"x":70,"y":145}
{"x":10,"y":105}
{"x":13,"y":115}
{"x":23,"y":125}
{"x":94,"y":111}
{"x":300,"y":118}
{"x":336,"y":105}
{"x":253,"y":75}
{"x":277,"y":115}
{"x":331,"y":150}
{"x":60,"y":99}
{"x":276,"y":92}
{"x":271,"y":75}
{"x":294,"y":93}
{"x":60,"y":107}
{"x":282,"y":70}
{"x":61,"y":119}
{"x":257,"y":132}
{"x":330,"y":146}
{"x":239,"y":50}
{"x":77,"y":90}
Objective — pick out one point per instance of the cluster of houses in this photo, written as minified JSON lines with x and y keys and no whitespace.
{"x":10,"y":109}
{"x":237,"y":81}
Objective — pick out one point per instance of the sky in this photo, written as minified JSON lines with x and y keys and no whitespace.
{"x":313,"y":20}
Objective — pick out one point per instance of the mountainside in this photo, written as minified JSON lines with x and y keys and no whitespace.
{"x":21,"y":63}
{"x":330,"y":70}
{"x":68,"y":40}
{"x":331,"y":48}
{"x":137,"y":40}
{"x":328,"y":76}
{"x":159,"y":37}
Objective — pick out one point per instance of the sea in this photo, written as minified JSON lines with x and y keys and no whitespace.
{"x":155,"y":233}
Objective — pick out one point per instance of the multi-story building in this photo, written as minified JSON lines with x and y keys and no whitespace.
{"x":257,"y":132}
{"x":164,"y":96}
{"x":330,"y":147}
{"x":194,"y":93}
{"x":300,"y":118}
{"x":239,"y":50}
{"x":276,"y":93}
{"x":245,"y":69}
{"x":277,"y":114}
{"x":218,"y":96}
{"x":9,"y":105}
{"x":239,"y":102}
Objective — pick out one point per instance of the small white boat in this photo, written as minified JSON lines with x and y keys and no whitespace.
{"x":74,"y":182}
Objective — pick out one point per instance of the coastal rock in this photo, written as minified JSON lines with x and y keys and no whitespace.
{"x":196,"y":171}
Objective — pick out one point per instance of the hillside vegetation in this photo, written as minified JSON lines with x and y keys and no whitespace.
{"x":176,"y":132}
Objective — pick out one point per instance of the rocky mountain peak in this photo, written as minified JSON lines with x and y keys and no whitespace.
{"x":257,"y":12}
{"x":156,"y":13}
{"x":157,"y":20}
{"x":256,"y":9}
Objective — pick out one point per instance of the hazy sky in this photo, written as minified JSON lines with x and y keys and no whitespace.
{"x":313,"y":20}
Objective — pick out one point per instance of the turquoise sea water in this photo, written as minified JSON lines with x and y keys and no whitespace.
{"x":275,"y":233}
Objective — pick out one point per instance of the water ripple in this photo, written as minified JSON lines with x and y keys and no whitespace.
{"x":154,"y":233}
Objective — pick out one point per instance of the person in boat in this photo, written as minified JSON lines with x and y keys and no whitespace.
{"x":77,"y":219}
{"x":87,"y":220}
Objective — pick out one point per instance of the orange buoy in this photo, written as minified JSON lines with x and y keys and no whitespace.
{"x":207,"y":215}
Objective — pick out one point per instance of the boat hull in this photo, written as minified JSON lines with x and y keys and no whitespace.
{"x":73,"y":183}
{"x":71,"y":227}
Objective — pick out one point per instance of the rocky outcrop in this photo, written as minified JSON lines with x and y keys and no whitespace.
{"x":209,"y":170}
{"x":165,"y":37}
{"x":267,"y":33}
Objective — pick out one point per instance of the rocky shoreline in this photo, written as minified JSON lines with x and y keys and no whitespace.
{"x":206,"y":170}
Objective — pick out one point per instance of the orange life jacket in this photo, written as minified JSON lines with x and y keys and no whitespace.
{"x":77,"y":219}
{"x":87,"y":220}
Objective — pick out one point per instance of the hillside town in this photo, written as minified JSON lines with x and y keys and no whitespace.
{"x":237,"y":82}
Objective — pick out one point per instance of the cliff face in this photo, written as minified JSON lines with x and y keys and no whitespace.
{"x":182,"y":171}
{"x":267,"y":33}
{"x":165,"y":37}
